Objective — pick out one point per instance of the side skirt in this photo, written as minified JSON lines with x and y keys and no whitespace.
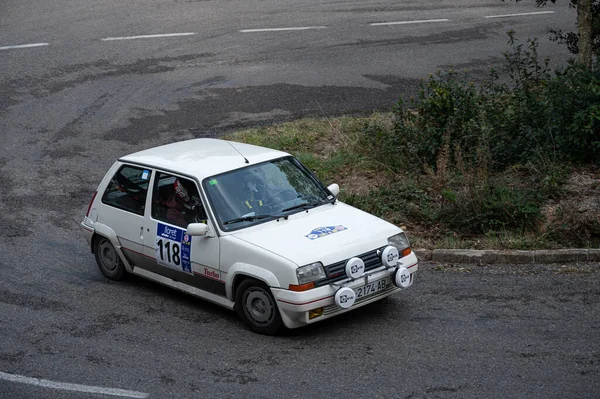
{"x":219,"y":300}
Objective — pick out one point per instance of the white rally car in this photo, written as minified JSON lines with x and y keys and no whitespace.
{"x":246,"y":227}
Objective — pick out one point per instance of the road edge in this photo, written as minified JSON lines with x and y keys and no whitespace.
{"x":507,"y":256}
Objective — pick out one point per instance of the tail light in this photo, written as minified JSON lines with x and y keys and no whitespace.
{"x":90,"y":205}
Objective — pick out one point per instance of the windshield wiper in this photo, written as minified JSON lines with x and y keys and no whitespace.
{"x":247,"y":219}
{"x":253,"y":218}
{"x":306,"y":205}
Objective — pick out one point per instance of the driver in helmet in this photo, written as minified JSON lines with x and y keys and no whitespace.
{"x":184,"y":208}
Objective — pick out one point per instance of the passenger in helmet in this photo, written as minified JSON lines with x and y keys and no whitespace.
{"x":184,"y":205}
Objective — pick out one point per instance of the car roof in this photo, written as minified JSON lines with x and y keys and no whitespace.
{"x":202,"y":158}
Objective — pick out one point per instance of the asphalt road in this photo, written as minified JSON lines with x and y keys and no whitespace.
{"x":77,"y":98}
{"x":476,"y":332}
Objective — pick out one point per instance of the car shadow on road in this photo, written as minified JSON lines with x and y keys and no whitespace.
{"x":197,"y":310}
{"x":369,"y":315}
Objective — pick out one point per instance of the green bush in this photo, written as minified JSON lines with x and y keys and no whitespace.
{"x":494,"y":208}
{"x":538,"y":116}
{"x":527,"y":126}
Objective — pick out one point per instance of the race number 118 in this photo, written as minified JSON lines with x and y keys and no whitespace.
{"x":169,"y":251}
{"x":173,"y":248}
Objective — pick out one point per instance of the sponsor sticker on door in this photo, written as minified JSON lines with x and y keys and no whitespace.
{"x":173,"y":248}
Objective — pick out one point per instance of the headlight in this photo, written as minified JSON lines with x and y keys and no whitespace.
{"x":400,"y":241}
{"x":309,"y":273}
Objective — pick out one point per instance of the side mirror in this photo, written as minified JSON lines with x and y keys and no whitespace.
{"x":335,"y":189}
{"x":197,"y":229}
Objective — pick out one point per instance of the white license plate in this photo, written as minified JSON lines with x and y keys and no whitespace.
{"x":371,"y":288}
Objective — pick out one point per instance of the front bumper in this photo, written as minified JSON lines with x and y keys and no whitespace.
{"x":294,"y":306}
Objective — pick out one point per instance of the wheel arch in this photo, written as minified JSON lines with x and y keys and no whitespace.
{"x":242,"y":271}
{"x":256,"y":305}
{"x":103,"y":231}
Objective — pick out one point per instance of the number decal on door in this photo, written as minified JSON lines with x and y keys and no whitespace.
{"x":173,"y":248}
{"x":165,"y":255}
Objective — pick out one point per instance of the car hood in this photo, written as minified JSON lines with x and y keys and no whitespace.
{"x":327,"y":234}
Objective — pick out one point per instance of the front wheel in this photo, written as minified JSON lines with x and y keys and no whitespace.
{"x":257,"y":308}
{"x":108,"y":259}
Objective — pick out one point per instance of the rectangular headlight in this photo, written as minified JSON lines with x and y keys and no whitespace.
{"x":309,"y":273}
{"x":400,"y":241}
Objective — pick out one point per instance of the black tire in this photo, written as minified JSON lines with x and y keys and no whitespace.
{"x":108,"y":259}
{"x":257,"y":307}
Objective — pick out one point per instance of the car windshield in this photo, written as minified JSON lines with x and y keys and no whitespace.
{"x":266,"y":191}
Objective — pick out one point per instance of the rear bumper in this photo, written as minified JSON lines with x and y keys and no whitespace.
{"x":87,"y":226}
{"x":295,"y":306}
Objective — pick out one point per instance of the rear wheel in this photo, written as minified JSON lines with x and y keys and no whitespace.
{"x":108,"y":259}
{"x":257,"y":307}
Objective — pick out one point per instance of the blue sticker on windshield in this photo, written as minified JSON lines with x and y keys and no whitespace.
{"x":324,"y":231}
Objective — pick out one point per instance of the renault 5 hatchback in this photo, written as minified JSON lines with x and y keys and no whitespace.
{"x":246,"y":227}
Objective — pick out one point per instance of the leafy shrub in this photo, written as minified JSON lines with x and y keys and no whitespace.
{"x":494,"y":208}
{"x":538,"y":116}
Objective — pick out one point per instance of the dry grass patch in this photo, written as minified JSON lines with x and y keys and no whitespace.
{"x":436,"y":205}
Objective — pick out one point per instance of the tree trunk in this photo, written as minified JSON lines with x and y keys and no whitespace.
{"x":584,"y":27}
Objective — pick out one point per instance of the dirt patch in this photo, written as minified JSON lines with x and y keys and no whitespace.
{"x":576,"y":215}
{"x":361,"y":182}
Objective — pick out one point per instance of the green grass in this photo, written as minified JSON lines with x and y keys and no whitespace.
{"x":328,"y":147}
{"x":428,"y":205}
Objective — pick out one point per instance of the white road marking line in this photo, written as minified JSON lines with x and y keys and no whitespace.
{"x":24,"y":46}
{"x":520,"y":15}
{"x":281,"y":29}
{"x":72,"y":387}
{"x":424,"y":21}
{"x":108,"y":39}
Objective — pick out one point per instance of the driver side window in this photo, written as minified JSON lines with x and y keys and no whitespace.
{"x":176,"y":201}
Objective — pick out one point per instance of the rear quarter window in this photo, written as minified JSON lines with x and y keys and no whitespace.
{"x":127,"y":189}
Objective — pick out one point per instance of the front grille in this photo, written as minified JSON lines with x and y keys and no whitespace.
{"x":337,"y":271}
